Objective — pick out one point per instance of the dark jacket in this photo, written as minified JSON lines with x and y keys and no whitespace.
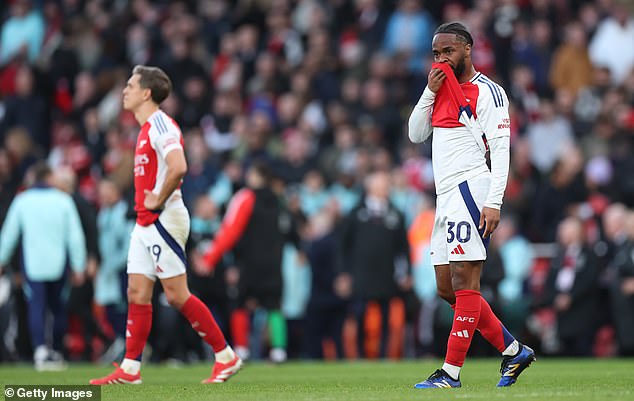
{"x":258,"y":253}
{"x":374,"y":250}
{"x":322,"y":256}
{"x":622,"y":306}
{"x":581,"y":318}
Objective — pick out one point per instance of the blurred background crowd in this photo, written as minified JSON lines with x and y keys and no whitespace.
{"x":321,"y":90}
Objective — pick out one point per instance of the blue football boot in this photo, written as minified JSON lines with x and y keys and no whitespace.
{"x":513,"y":366}
{"x":439,"y":379}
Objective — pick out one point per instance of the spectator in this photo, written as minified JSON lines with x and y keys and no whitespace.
{"x":326,"y":310}
{"x":551,"y":129}
{"x":611,"y":46}
{"x":21,"y":107}
{"x":409,"y":32}
{"x":517,"y":258}
{"x":373,"y":256}
{"x":571,"y":290}
{"x":81,"y":296}
{"x":47,"y":239}
{"x":571,"y":67}
{"x":114,"y":228}
{"x":22,"y":34}
{"x":621,"y":288}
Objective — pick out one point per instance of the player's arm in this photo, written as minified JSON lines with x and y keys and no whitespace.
{"x":233,"y":225}
{"x":176,"y":170}
{"x":493,"y":116}
{"x":419,"y":124}
{"x":168,"y":146}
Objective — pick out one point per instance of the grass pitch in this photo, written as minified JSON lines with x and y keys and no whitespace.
{"x":546,"y":379}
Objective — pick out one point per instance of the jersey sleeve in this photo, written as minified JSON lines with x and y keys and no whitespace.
{"x":493,"y":116}
{"x":419,"y":124}
{"x":164,"y":137}
{"x":493,"y":111}
{"x":233,"y":225}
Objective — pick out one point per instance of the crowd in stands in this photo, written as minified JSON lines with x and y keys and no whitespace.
{"x":320,"y":91}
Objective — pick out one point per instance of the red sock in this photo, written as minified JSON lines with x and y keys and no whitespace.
{"x":240,"y":328}
{"x":204,"y":323}
{"x":492,"y":329}
{"x":464,"y":325}
{"x":137,"y":330}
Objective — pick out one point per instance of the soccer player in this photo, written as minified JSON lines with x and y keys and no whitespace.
{"x":255,"y":226}
{"x":162,"y":227}
{"x":469,"y":196}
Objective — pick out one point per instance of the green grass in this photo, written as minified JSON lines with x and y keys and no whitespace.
{"x":547,"y":379}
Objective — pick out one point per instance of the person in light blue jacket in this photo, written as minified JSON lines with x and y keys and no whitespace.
{"x":48,"y":224}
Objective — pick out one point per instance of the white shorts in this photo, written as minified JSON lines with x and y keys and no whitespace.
{"x":455,"y":236}
{"x":158,"y":250}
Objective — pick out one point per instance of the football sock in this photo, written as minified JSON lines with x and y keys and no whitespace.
{"x":225,"y":356}
{"x":240,"y":328}
{"x":492,"y":329}
{"x":513,"y":349}
{"x":137,"y":330}
{"x":453,"y":371}
{"x":277,"y":328}
{"x":204,"y":323}
{"x":464,"y":325}
{"x":131,"y":366}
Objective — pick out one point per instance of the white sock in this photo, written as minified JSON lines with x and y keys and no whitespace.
{"x":226,"y":355}
{"x":453,"y":371}
{"x":512,"y":349}
{"x":131,"y":366}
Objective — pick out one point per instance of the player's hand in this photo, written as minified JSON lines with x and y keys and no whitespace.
{"x":489,"y":219}
{"x":200,"y":267}
{"x":435,"y":79}
{"x":151,"y":201}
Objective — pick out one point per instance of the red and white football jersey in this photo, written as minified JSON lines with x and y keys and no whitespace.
{"x":158,"y":136}
{"x":456,"y":157}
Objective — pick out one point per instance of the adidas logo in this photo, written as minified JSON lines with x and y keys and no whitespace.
{"x":159,"y":270}
{"x":458,"y":250}
{"x":442,"y":384}
{"x":461,"y":334}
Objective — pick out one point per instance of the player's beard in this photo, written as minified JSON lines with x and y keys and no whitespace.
{"x":459,"y":69}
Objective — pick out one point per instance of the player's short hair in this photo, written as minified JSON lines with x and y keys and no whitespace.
{"x":461,"y":31}
{"x":154,"y":79}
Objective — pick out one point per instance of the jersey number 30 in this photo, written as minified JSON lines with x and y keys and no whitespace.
{"x":460,"y":231}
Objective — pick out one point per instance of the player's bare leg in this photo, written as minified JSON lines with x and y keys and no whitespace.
{"x":444,"y":288}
